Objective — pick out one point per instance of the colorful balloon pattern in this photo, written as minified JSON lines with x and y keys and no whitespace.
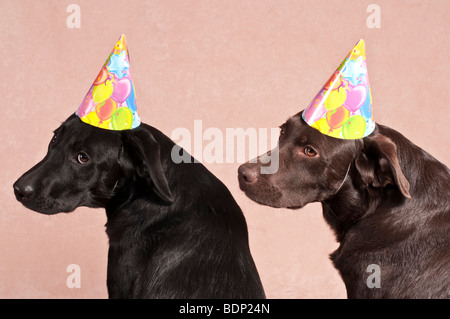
{"x":343,"y":107}
{"x":110,"y":102}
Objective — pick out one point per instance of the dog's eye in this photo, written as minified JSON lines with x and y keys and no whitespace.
{"x":282,"y":131}
{"x":82,"y":158}
{"x":309,"y":151}
{"x":55,"y":136}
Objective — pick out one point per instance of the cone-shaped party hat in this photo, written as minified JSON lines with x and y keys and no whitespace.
{"x":343,"y":107}
{"x":111,"y":102}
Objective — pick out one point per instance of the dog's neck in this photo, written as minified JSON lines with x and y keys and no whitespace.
{"x":352,"y":202}
{"x":347,"y":206}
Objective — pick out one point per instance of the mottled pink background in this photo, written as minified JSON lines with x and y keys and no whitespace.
{"x":229,"y":63}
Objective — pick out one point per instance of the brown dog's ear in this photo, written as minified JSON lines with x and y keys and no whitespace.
{"x":140,"y":155}
{"x":379,"y":166}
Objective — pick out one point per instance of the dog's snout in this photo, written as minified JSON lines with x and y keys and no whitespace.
{"x":248,"y":174}
{"x":23,"y":192}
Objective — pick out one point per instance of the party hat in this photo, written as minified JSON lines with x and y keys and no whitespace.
{"x":111,"y":101}
{"x":343,"y":107}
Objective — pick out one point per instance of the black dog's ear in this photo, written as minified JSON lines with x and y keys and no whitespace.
{"x":140,"y":155}
{"x":379,"y":166}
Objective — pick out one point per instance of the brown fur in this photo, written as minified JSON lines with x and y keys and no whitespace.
{"x":386,"y":199}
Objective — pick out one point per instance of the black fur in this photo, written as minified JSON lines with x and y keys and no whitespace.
{"x":386,"y":199}
{"x":174,"y":230}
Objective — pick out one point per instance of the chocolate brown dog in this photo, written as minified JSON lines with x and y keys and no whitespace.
{"x":386,"y":199}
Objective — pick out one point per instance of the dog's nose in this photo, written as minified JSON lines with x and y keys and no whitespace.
{"x":248,"y":174}
{"x":23,"y":192}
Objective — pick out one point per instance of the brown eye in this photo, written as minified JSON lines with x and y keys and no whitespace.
{"x":82,"y":158}
{"x":282,"y":131}
{"x":309,"y":151}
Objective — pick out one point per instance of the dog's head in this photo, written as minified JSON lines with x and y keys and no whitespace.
{"x":85,"y":166}
{"x":313,"y":167}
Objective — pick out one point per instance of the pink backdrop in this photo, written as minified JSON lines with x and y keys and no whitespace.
{"x":229,"y":63}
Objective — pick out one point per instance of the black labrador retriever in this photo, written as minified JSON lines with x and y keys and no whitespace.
{"x":386,"y":199}
{"x":174,"y":230}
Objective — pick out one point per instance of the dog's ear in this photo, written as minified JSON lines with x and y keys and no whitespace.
{"x":378,"y":164}
{"x":140,"y":154}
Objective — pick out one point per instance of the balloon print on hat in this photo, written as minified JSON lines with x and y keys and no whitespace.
{"x":317,"y":109}
{"x":105,"y":109}
{"x":337,"y":117}
{"x":122,"y":119}
{"x":102,"y":76}
{"x":335,"y":99}
{"x":121,"y":89}
{"x":354,"y":127}
{"x":356,"y":96}
{"x":87,"y":105}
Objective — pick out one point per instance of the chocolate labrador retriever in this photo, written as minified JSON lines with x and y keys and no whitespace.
{"x":174,"y":230}
{"x":386,"y":199}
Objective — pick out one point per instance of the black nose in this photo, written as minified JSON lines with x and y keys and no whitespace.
{"x":23,"y":192}
{"x":248,"y":174}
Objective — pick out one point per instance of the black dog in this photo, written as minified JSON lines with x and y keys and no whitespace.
{"x":174,"y":230}
{"x":386,"y":199}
